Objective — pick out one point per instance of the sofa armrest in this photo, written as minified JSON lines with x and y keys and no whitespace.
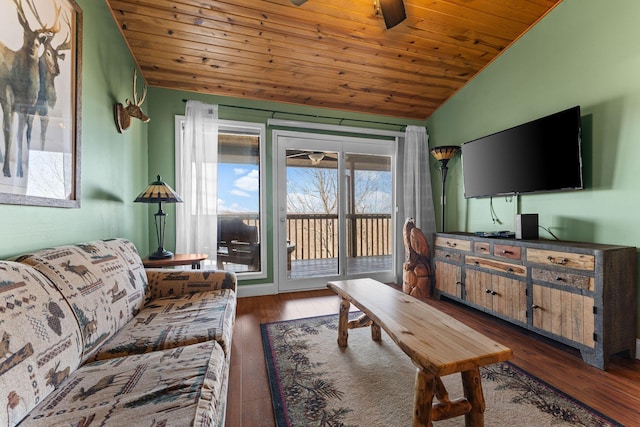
{"x":164,"y":283}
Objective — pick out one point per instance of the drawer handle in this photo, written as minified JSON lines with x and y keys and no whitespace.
{"x":560,"y":279}
{"x":505,"y":252}
{"x":490,"y":291}
{"x":510,"y":270}
{"x":483,"y":249}
{"x":559,"y":261}
{"x":534,"y":306}
{"x":453,"y":245}
{"x":487,"y":291}
{"x":447,"y":256}
{"x":476,"y":262}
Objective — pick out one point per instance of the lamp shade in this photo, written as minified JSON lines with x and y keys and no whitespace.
{"x":444,"y":152}
{"x":158,"y":191}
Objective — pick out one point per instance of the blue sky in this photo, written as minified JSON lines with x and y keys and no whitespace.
{"x":238,"y":189}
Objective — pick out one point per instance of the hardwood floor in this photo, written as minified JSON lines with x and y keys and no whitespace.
{"x":615,"y":392}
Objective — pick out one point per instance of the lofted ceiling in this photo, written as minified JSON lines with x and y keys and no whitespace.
{"x":325,"y":53}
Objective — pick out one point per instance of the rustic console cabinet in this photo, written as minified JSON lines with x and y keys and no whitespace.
{"x":581,"y":294}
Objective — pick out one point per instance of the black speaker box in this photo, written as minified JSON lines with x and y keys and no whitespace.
{"x":527,"y":226}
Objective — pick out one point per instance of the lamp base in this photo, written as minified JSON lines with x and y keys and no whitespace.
{"x":161,"y":254}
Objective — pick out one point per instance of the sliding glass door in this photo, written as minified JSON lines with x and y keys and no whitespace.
{"x":334,"y":209}
{"x":369,"y":207}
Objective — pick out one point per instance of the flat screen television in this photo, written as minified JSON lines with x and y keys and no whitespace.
{"x":543,"y":155}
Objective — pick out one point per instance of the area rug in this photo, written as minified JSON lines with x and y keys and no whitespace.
{"x":316,"y":383}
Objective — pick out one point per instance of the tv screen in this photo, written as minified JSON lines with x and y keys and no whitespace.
{"x":540,"y":156}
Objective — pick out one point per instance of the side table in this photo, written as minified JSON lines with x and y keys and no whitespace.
{"x":177,"y":259}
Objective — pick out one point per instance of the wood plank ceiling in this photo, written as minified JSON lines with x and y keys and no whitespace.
{"x":325,"y":53}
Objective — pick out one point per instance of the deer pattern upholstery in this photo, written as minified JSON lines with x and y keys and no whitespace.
{"x":104,"y":281}
{"x":177,"y":320}
{"x":41,"y":342}
{"x":166,"y":284}
{"x":166,"y":358}
{"x":178,"y":387}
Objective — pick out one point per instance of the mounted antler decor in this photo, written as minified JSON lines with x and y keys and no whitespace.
{"x":123,"y":114}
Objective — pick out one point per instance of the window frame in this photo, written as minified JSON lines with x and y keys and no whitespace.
{"x":258,"y":129}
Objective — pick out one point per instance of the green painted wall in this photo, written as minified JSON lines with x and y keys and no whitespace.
{"x":585,"y":52}
{"x":113,"y":166}
{"x":166,"y":104}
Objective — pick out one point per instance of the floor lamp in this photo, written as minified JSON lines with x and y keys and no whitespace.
{"x":443,"y":154}
{"x":158,"y":192}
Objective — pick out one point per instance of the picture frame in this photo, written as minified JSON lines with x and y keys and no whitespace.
{"x":40,"y":67}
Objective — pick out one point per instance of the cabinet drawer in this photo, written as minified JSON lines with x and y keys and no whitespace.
{"x":562,"y":278}
{"x":448,"y":255}
{"x":507,"y":251}
{"x":491,"y":264}
{"x":459,"y":244}
{"x":482,"y":248}
{"x":563,"y":259}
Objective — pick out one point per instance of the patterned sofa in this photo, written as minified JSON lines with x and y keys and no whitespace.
{"x":89,"y":337}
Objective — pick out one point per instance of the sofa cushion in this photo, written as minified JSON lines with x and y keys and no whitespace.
{"x":178,"y":387}
{"x":40,"y":340}
{"x":175,"y":321}
{"x":104,"y":281}
{"x":169,"y":283}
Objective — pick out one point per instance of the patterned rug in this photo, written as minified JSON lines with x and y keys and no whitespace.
{"x":315,"y":383}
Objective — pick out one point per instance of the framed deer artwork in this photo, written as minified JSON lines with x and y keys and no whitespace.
{"x":40,"y":70}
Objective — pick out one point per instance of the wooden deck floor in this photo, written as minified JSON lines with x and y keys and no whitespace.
{"x":329,"y":266}
{"x":615,"y":392}
{"x":301,"y":269}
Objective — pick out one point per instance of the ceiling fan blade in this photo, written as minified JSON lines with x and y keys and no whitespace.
{"x":392,"y":11}
{"x":298,"y":2}
{"x":298,"y":154}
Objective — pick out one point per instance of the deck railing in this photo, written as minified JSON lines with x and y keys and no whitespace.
{"x":315,"y":236}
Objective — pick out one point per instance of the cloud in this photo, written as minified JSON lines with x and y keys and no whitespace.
{"x":240,"y":171}
{"x":240,"y":193}
{"x":249,"y":182}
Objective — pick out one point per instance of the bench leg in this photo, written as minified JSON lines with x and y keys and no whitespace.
{"x":343,"y":322}
{"x":424,"y":390}
{"x":376,"y":334}
{"x":472,"y":385}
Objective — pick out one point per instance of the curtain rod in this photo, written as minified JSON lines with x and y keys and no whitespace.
{"x":273,"y":112}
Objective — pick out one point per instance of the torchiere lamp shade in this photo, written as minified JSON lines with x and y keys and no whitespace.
{"x":444,"y":152}
{"x":158,"y":192}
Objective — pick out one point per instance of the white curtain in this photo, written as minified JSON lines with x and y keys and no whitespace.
{"x":418,"y":198}
{"x":196,"y":181}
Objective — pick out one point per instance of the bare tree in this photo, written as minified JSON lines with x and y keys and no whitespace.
{"x":315,"y":190}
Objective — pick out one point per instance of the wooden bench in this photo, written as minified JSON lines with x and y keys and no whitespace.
{"x":437,"y":344}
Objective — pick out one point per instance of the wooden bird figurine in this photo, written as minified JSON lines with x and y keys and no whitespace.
{"x":417,"y":273}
